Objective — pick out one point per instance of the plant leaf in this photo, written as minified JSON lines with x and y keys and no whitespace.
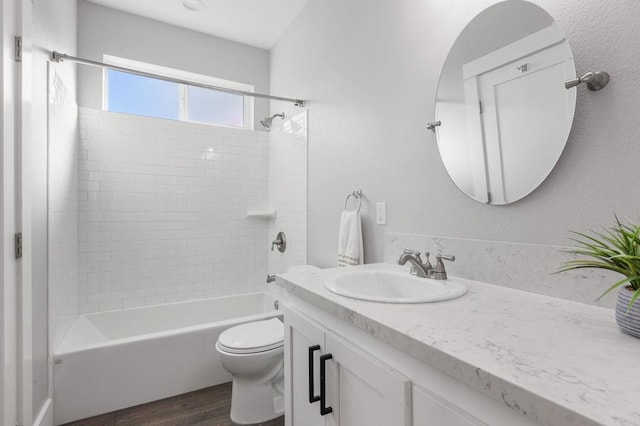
{"x":633,"y":300}
{"x":618,"y":284}
{"x":616,"y":248}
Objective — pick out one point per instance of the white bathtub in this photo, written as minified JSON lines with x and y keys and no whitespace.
{"x":118,"y":359}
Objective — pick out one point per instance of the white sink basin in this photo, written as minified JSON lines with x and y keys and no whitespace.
{"x":390,"y":286}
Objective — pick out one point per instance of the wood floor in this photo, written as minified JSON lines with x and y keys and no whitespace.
{"x":205,"y":407}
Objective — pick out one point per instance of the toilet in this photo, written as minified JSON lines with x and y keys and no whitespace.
{"x":254,"y":355}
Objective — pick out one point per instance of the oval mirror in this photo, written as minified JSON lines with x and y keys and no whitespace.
{"x":504,"y":112}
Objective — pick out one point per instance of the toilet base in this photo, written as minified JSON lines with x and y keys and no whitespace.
{"x":253,"y":402}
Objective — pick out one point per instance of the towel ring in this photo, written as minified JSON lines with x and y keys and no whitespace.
{"x":358,"y":195}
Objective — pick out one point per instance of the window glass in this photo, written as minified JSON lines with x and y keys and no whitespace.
{"x":133,"y":94}
{"x":212,"y":106}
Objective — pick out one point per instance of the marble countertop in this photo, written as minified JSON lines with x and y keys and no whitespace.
{"x":556,"y":361}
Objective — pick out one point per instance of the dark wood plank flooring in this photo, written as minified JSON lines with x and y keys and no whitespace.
{"x":205,"y":407}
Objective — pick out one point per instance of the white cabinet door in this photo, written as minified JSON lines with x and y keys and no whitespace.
{"x":429,"y":410}
{"x":362,"y":390}
{"x":302,"y":337}
{"x":359,"y":390}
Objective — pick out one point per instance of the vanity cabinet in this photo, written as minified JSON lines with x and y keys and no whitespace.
{"x":369,"y":382}
{"x":332,"y":382}
{"x":429,"y":410}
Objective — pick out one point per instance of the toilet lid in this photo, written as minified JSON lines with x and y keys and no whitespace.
{"x":255,"y":336}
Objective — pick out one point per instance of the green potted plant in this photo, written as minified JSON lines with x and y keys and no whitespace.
{"x":616,"y":249}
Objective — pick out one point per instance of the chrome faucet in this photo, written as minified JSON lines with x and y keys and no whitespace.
{"x":419,"y":269}
{"x":425,"y":270}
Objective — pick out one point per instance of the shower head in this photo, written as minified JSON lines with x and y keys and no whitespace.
{"x":267,"y":121}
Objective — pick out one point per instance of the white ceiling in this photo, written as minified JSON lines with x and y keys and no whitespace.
{"x":258,"y":23}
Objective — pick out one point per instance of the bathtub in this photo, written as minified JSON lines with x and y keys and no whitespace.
{"x":118,"y":359}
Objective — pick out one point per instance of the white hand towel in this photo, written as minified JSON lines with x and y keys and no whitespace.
{"x":350,"y":250}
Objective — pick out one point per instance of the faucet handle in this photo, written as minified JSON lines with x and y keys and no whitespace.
{"x":439,"y":272}
{"x":280,"y":242}
{"x":445,"y":257}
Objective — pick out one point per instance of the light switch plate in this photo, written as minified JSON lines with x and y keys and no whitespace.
{"x":381,"y":213}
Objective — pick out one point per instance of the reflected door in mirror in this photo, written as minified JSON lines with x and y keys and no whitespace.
{"x":505,"y":112}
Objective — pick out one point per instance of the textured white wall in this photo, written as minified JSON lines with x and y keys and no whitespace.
{"x":107,"y":31}
{"x":288,"y":187}
{"x":163,"y":211}
{"x":370,"y":69}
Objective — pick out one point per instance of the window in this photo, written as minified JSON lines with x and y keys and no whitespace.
{"x":133,"y":94}
{"x":212,"y":106}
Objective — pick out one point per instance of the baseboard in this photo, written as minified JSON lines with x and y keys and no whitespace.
{"x":45,"y":416}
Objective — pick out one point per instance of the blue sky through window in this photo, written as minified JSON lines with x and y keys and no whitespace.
{"x":133,"y":94}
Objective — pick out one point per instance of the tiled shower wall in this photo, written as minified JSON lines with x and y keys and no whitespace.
{"x":63,"y":208}
{"x":288,"y":188}
{"x":162,"y":211}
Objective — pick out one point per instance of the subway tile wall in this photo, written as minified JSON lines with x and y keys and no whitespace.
{"x":63,"y":209}
{"x":288,"y":188}
{"x":163,"y":211}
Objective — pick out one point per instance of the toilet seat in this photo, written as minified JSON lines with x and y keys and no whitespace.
{"x":253,"y":337}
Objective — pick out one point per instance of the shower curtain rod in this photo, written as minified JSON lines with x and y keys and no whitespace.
{"x":60,"y":57}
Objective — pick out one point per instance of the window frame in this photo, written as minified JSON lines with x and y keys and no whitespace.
{"x":248,"y":101}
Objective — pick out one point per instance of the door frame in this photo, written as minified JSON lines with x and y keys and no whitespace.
{"x":16,"y":389}
{"x":23,"y":185}
{"x":8,"y":264}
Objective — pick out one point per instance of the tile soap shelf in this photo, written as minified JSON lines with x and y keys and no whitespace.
{"x":265,"y":214}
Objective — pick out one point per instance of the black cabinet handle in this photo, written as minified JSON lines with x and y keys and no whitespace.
{"x":323,"y":394}
{"x":312,"y":398}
